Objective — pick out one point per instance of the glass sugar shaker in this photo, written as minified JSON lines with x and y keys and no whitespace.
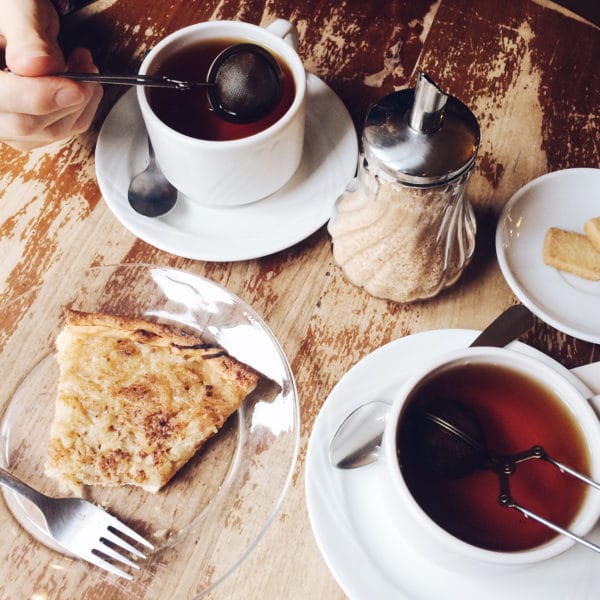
{"x":403,"y":229}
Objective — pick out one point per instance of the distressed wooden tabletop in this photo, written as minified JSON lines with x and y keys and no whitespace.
{"x":528,"y":70}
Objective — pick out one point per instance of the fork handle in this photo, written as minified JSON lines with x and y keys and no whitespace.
{"x":14,"y":483}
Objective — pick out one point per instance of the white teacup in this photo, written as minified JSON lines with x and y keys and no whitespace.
{"x":423,"y":532}
{"x":231,"y":172}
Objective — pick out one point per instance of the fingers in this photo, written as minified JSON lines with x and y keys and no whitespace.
{"x":77,"y":123}
{"x":36,"y":111}
{"x":37,"y":108}
{"x":29,"y":29}
{"x":38,"y":95}
{"x":25,"y":133}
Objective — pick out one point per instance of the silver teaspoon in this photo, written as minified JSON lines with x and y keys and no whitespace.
{"x":357,"y":440}
{"x":150,"y":194}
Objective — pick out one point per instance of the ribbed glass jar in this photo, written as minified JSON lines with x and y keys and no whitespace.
{"x":401,"y":242}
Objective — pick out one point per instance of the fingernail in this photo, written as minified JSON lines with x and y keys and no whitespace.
{"x":66,"y":97}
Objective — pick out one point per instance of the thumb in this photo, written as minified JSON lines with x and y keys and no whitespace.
{"x":30,"y":31}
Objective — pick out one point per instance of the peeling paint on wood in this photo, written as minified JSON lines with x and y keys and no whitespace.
{"x":528,"y":71}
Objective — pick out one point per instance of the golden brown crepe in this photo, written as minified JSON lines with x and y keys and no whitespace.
{"x":136,"y":400}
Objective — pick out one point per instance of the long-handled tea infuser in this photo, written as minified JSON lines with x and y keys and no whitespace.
{"x":465,"y":450}
{"x":244,"y":82}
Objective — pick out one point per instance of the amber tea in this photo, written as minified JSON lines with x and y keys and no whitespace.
{"x":515,"y":413}
{"x":189,"y":112}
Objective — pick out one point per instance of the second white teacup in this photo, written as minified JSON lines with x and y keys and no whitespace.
{"x":229,"y":172}
{"x":424,"y":529}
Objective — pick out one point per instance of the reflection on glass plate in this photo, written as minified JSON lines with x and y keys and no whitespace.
{"x":209,"y":517}
{"x":564,"y":199}
{"x":279,"y":221}
{"x":360,"y":543}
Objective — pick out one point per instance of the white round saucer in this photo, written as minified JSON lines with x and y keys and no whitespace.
{"x":361,"y":545}
{"x":243,"y":232}
{"x":564,"y":199}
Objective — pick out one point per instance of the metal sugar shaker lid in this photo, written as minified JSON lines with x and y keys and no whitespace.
{"x":421,"y":137}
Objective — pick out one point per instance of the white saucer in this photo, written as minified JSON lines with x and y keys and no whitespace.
{"x":282,"y":219}
{"x":564,"y":199}
{"x":365,"y":553}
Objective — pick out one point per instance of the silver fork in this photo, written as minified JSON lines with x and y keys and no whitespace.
{"x":83,"y":529}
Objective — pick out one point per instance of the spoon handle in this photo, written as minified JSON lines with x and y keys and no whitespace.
{"x":145,"y":80}
{"x":507,"y":327}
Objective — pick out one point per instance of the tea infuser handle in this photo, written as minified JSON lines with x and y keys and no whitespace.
{"x":538,"y":452}
{"x":504,"y":469}
{"x":519,"y":457}
{"x":145,"y":80}
{"x":572,"y":472}
{"x":506,"y":500}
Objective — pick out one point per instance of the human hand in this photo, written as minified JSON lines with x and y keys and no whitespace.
{"x":36,"y":110}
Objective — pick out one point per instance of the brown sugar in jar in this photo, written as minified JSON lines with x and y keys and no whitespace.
{"x":403,"y":230}
{"x":403,"y":243}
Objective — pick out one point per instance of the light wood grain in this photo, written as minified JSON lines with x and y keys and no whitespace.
{"x":529,"y":72}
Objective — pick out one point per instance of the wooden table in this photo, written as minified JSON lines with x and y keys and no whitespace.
{"x":529,"y":71}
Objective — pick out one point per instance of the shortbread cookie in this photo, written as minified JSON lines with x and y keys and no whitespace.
{"x":592,"y":230}
{"x":572,"y":252}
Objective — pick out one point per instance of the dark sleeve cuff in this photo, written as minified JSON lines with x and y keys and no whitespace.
{"x":64,"y":7}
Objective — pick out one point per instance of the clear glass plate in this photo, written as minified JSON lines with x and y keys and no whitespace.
{"x":210,"y":516}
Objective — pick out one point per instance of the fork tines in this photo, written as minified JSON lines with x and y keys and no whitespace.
{"x":112,"y":546}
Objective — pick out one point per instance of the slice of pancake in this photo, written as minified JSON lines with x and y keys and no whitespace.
{"x":136,"y":400}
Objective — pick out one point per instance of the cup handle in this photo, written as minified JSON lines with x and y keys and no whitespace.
{"x":286,"y":31}
{"x":590,"y":375}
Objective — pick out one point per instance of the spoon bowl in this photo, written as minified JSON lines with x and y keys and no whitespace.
{"x":357,"y":441}
{"x":150,"y":194}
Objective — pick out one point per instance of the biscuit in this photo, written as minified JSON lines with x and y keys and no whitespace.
{"x":571,"y":252}
{"x":592,"y":230}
